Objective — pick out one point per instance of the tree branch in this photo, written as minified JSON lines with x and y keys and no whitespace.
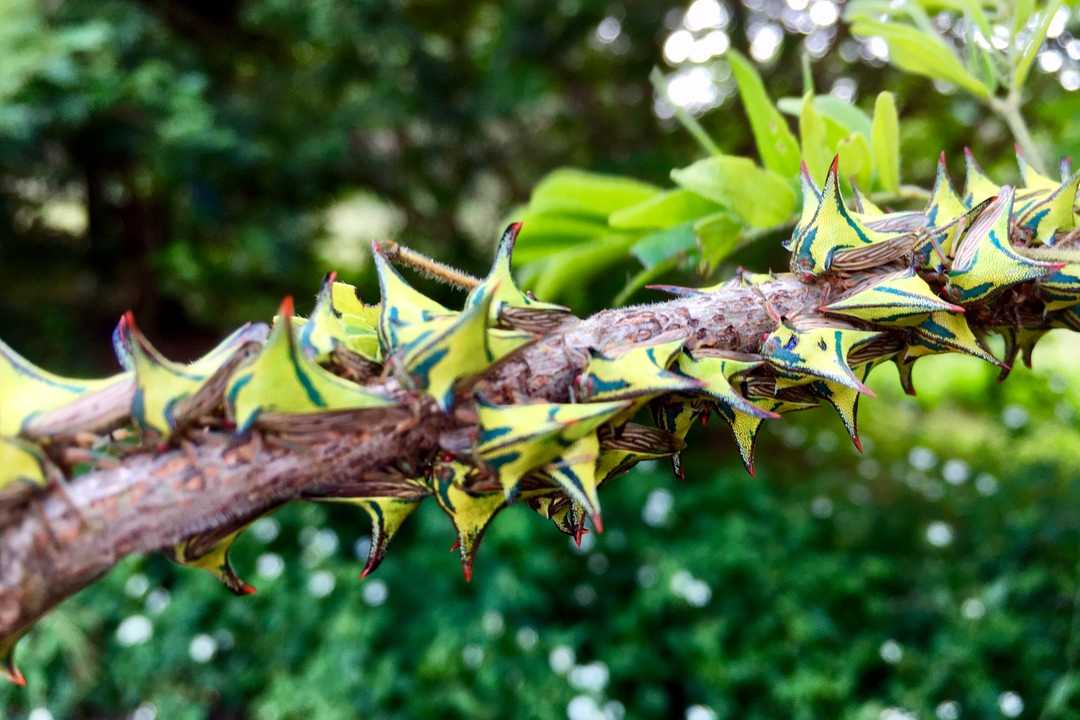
{"x":69,"y":536}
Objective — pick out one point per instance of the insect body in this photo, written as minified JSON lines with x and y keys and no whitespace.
{"x":808,"y":350}
{"x":986,"y":262}
{"x":387,"y":515}
{"x":899,"y":298}
{"x":167,"y":392}
{"x":282,"y":379}
{"x":470,"y":512}
{"x":340,"y":319}
{"x":515,"y":439}
{"x":211,"y":554}
{"x":28,"y":394}
{"x":831,"y":230}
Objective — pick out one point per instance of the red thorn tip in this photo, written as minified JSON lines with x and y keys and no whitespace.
{"x":865,"y":390}
{"x":941,"y":158}
{"x":16,"y":677}
{"x":331,"y":276}
{"x":455,"y":546}
{"x":246,"y":589}
{"x":857,"y":442}
{"x":514,"y":228}
{"x":968,"y":154}
{"x":162,"y":446}
{"x":466,"y":569}
{"x":286,"y":310}
{"x":835,"y":167}
{"x":598,"y":522}
{"x":750,"y":469}
{"x":957,"y":309}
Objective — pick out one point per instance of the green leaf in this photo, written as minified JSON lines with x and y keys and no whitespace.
{"x":663,"y":210}
{"x":688,"y":121}
{"x":662,"y":245}
{"x":840,"y":114}
{"x":917,"y":52}
{"x":760,"y":197}
{"x":855,"y":161}
{"x":816,"y":149}
{"x":576,"y":192}
{"x":1031,"y":50}
{"x":885,"y":142}
{"x":574,"y":266}
{"x":776,"y":145}
{"x":847,"y":114}
{"x":718,"y":235}
{"x":543,"y":234}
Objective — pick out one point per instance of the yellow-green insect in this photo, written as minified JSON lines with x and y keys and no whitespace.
{"x":1060,"y":289}
{"x":624,"y":446}
{"x":676,"y":414}
{"x":575,"y":473}
{"x":1051,"y":211}
{"x":282,"y":379}
{"x":470,"y":512}
{"x":1034,"y":180}
{"x":340,"y":319}
{"x":815,"y":349}
{"x":637,"y":373}
{"x":504,"y":292}
{"x":7,"y":658}
{"x":210,"y":553}
{"x":985,"y":261}
{"x":831,"y":230}
{"x":845,"y":401}
{"x":977,"y":186}
{"x":939,"y":333}
{"x":863,"y":207}
{"x":745,"y":427}
{"x":22,"y":469}
{"x":898,"y":298}
{"x":516,"y":439}
{"x":811,"y":198}
{"x":404,"y":311}
{"x":168,"y":392}
{"x":945,"y":206}
{"x":1019,"y":342}
{"x":27,"y":393}
{"x":715,"y":371}
{"x":387,"y":515}
{"x":448,"y":350}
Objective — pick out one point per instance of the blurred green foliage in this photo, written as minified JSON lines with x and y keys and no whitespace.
{"x":198,"y":160}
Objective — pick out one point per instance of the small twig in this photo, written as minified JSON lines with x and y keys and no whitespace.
{"x":428,"y":267}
